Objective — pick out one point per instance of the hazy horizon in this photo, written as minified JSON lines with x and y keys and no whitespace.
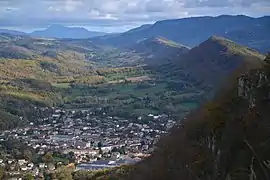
{"x":106,"y":29}
{"x":116,"y":16}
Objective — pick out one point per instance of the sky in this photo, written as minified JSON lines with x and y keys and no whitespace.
{"x":116,"y":15}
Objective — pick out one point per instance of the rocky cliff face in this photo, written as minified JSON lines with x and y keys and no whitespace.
{"x":248,"y":83}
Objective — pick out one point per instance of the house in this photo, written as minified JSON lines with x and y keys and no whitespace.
{"x":56,"y":115}
{"x":30,"y":166}
{"x":22,"y":162}
{"x":107,"y":148}
{"x":12,"y":167}
{"x":24,"y":168}
{"x":81,"y":152}
{"x":42,"y":165}
{"x":115,"y":155}
{"x":10,"y":161}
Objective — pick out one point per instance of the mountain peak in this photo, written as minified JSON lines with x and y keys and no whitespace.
{"x":60,"y":31}
{"x":56,"y":27}
{"x":230,"y":46}
{"x":61,"y":27}
{"x":219,"y":39}
{"x":217,"y":57}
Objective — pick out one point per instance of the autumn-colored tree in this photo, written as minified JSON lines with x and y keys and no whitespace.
{"x":28,"y":177}
{"x":64,"y":173}
{"x":2,"y":173}
{"x":47,"y":158}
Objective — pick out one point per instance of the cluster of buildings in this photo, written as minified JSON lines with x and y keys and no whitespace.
{"x":17,"y":168}
{"x":93,"y":137}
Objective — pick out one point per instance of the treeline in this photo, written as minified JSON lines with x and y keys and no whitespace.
{"x":16,"y":149}
{"x":106,"y":71}
{"x":89,"y":80}
{"x":128,"y":71}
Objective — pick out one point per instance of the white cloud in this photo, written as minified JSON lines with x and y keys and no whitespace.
{"x":72,"y":5}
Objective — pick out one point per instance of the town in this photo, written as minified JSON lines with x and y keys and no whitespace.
{"x":88,"y":138}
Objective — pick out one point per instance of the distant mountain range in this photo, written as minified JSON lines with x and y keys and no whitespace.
{"x":59,"y":31}
{"x":6,"y":31}
{"x":253,"y":32}
{"x":248,"y":31}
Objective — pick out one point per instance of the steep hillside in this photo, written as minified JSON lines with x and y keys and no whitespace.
{"x":159,"y":48}
{"x":58,"y":31}
{"x":213,"y":60}
{"x":15,"y":52}
{"x":45,"y":59}
{"x":28,"y":68}
{"x":192,"y":31}
{"x":225,"y":139}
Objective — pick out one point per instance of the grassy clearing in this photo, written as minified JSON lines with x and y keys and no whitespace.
{"x":135,"y":99}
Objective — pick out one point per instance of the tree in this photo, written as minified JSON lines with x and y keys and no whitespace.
{"x":28,"y":177}
{"x":47,"y":158}
{"x":114,"y":149}
{"x":122,"y":150}
{"x":100,"y":151}
{"x":71,"y":157}
{"x":100,"y":144}
{"x":64,"y":173}
{"x":2,"y":173}
{"x":27,"y":154}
